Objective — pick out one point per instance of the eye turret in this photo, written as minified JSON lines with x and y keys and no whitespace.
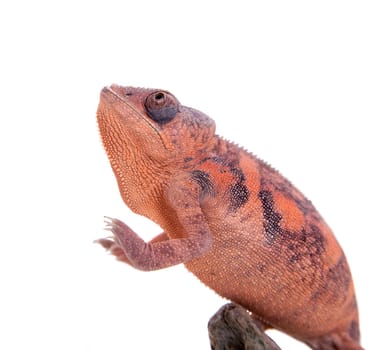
{"x":161,"y":107}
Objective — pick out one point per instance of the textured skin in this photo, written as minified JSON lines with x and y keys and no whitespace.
{"x":236,"y":223}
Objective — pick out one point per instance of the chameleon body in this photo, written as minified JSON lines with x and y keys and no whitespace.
{"x":235,"y":222}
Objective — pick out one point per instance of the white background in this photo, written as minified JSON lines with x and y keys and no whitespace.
{"x":306,"y":85}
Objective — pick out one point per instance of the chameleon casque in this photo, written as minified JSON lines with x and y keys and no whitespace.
{"x":235,"y":222}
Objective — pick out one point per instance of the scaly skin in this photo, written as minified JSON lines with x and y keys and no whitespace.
{"x":236,"y":223}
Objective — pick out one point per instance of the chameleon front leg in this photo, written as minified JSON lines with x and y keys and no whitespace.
{"x":162,"y":251}
{"x":113,"y":245}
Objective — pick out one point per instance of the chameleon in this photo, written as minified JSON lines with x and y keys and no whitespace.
{"x":233,"y":220}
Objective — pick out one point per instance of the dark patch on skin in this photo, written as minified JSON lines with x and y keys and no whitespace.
{"x":271,"y":178}
{"x":337,"y":281}
{"x":304,"y":251}
{"x":219,"y":161}
{"x":354,"y":331}
{"x":188,"y":159}
{"x":238,"y":173}
{"x":239,"y":193}
{"x":204,"y":181}
{"x":271,"y":217}
{"x":204,"y":160}
{"x":314,"y":243}
{"x":315,"y":238}
{"x":339,"y":275}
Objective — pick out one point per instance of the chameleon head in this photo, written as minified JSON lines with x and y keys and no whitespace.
{"x":152,"y":122}
{"x":146,"y":134}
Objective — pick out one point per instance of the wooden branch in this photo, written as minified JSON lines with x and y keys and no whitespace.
{"x":232,"y":328}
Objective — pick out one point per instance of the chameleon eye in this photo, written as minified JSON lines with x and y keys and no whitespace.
{"x":161,"y":107}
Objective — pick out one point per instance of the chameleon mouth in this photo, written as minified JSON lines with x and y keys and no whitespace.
{"x":119,"y":91}
{"x":110,"y":94}
{"x":111,"y":91}
{"x":114,"y":95}
{"x":106,"y":90}
{"x":114,"y":89}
